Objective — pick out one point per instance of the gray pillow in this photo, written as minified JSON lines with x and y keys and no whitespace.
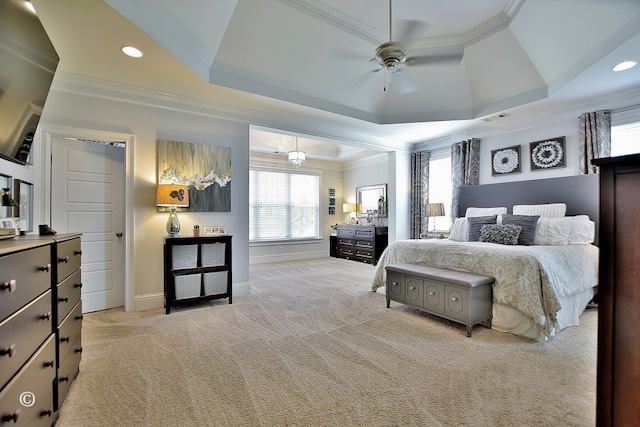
{"x":528,"y":224}
{"x":475,"y":222}
{"x":502,"y":234}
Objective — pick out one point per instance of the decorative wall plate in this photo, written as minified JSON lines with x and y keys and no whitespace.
{"x":505,"y":160}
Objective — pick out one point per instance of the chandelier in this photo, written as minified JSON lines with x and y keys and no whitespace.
{"x":297,"y":157}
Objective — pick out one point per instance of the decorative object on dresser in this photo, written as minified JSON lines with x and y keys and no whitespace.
{"x":351,"y":209}
{"x":618,"y":297}
{"x":172,"y":195}
{"x":361,"y":242}
{"x":196,"y":269}
{"x":40,"y":326}
{"x":455,"y":295}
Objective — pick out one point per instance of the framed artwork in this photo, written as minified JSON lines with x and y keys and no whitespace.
{"x":204,"y":168}
{"x":332,"y":192}
{"x":505,"y":160}
{"x":7,"y":223}
{"x":548,"y":154}
{"x":332,"y":210}
{"x":332,"y":201}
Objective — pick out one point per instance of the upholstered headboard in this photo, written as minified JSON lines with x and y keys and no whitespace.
{"x":581,"y":194}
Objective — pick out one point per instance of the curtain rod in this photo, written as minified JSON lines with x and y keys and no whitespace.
{"x":623,"y":109}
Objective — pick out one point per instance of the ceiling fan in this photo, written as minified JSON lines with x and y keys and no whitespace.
{"x":394,"y":53}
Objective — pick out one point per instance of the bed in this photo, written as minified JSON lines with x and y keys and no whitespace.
{"x":540,"y":288}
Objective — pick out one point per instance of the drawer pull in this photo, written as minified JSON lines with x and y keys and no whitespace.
{"x":12,"y":417}
{"x":9,"y":286}
{"x":65,"y":339}
{"x":412,"y":288}
{"x":394,"y":283}
{"x":64,"y":299}
{"x":64,"y":260}
{"x":454,"y":299}
{"x":432,"y":293}
{"x":77,"y":285}
{"x":46,"y":268}
{"x":46,"y":316}
{"x":79,"y":317}
{"x":79,"y":252}
{"x":8,"y":351}
{"x":48,"y":364}
{"x":63,"y":379}
{"x":79,"y":350}
{"x":46,"y":413}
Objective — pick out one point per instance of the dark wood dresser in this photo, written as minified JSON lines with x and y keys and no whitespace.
{"x":363,"y":243}
{"x":618,"y":380}
{"x":40,"y":326}
{"x":196,"y":269}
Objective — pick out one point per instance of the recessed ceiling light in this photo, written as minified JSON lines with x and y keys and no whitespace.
{"x":29,"y":6}
{"x":132,"y":51}
{"x":624,"y":65}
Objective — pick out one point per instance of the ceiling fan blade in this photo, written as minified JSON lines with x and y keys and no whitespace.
{"x":441,"y":59}
{"x":406,"y":30}
{"x":403,"y":83}
{"x":342,"y":53}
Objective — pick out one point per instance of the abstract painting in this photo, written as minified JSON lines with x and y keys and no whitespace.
{"x":205,"y":168}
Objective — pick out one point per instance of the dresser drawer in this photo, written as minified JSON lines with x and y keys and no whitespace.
{"x":69,"y":257}
{"x":28,"y":398}
{"x":23,"y":276}
{"x":395,"y":286}
{"x":69,"y":332}
{"x":434,"y":296}
{"x":364,"y":243}
{"x":365,"y":233}
{"x":68,"y":370}
{"x":365,"y":255}
{"x":345,"y":250}
{"x":345,"y":232}
{"x":69,"y":293}
{"x":22,"y":333}
{"x":345,"y":242}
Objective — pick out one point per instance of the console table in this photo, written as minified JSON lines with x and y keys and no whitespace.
{"x":196,"y":269}
{"x":363,"y":243}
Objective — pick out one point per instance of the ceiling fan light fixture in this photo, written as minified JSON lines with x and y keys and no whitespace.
{"x":391,"y":54}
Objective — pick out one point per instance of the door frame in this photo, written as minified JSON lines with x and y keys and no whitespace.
{"x":42,"y":191}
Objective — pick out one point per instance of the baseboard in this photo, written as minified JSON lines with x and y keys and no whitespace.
{"x":287,"y":257}
{"x":151,"y":301}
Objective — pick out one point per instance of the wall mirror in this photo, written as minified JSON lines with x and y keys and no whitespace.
{"x":372,"y":199}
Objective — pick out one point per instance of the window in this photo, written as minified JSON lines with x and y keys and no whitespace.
{"x":440,"y":190}
{"x":625,"y":139}
{"x":283,"y":206}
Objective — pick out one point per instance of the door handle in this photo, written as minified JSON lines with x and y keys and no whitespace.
{"x":119,"y":234}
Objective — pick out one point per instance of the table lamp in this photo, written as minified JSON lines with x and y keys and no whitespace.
{"x":172,"y":196}
{"x":434,"y":210}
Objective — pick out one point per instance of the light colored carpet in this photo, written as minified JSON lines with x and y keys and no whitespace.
{"x":313,"y":346}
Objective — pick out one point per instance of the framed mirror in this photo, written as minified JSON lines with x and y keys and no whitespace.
{"x":372,"y":199}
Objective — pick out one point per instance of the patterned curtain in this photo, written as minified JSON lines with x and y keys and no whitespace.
{"x":465,"y":169}
{"x":419,"y":192}
{"x":594,"y":139}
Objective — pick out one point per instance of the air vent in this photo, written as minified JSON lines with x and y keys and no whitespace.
{"x":496,"y":117}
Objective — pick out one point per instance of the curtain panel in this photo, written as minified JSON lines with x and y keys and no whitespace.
{"x":594,"y":139}
{"x":419,"y":193}
{"x":465,"y":169}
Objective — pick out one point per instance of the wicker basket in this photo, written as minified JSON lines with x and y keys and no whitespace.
{"x":184,"y":256}
{"x":187,"y":286}
{"x":215,"y":283}
{"x":213,"y":254}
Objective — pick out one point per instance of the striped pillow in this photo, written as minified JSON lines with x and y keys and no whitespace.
{"x":547,"y":210}
{"x":484,"y":211}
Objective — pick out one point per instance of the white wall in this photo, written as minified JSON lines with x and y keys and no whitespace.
{"x":370,"y":171}
{"x":148,"y":123}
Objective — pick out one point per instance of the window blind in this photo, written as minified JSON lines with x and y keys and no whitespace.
{"x":283,"y":206}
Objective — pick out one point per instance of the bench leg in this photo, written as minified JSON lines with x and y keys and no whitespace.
{"x":388,"y":303}
{"x":469,"y":329}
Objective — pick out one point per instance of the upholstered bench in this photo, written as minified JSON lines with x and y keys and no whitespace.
{"x":455,"y":295}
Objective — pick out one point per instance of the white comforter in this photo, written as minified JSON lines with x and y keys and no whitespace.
{"x":530,"y":279}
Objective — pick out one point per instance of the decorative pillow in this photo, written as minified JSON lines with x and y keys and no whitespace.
{"x":582,"y":230}
{"x":476,"y":222}
{"x":484,"y":211}
{"x":569,"y":230}
{"x":547,"y":210}
{"x":502,"y":234}
{"x":460,"y":230}
{"x":528,"y":224}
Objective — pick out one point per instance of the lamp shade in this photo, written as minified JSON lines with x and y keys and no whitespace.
{"x":172,"y":195}
{"x":7,"y":200}
{"x":349,"y":207}
{"x":435,"y":209}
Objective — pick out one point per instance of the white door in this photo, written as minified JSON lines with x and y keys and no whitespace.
{"x":87,"y":196}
